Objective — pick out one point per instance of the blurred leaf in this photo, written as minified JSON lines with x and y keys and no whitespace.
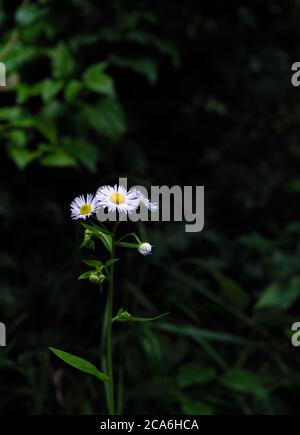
{"x":234,"y":292}
{"x":145,"y":66}
{"x":28,"y":13}
{"x":58,"y":158}
{"x":19,"y":56}
{"x":279,"y":296}
{"x":106,"y":118}
{"x":80,"y":364}
{"x":51,"y":89}
{"x":17,"y":137}
{"x":10,"y":113}
{"x":193,"y":374}
{"x":83,"y":151}
{"x":62,"y":61}
{"x":72,"y":90}
{"x":95,"y":79}
{"x":198,"y":333}
{"x":243,"y":381}
{"x":191,"y":407}
{"x":46,"y":126}
{"x":22,"y":157}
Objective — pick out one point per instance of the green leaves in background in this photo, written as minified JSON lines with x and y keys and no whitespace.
{"x":243,"y":381}
{"x":79,"y":363}
{"x":23,"y":157}
{"x":69,"y":84}
{"x":146,"y":66}
{"x":95,"y":79}
{"x":194,"y":374}
{"x":279,"y":296}
{"x":233,"y":291}
{"x":27,"y":14}
{"x":193,"y":407}
{"x":106,"y":118}
{"x":62,"y":61}
{"x":58,"y":158}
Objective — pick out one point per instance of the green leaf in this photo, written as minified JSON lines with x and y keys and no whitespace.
{"x":146,"y":66}
{"x":51,"y":89}
{"x":62,"y":61}
{"x":20,"y":55}
{"x":10,"y":113}
{"x":86,"y":275}
{"x":46,"y":126}
{"x":106,"y":239}
{"x":111,"y":261}
{"x":193,"y":374}
{"x":59,"y":158}
{"x":234,"y":292}
{"x":107,"y":118}
{"x":198,"y":334}
{"x":17,"y":137}
{"x":279,"y":296}
{"x":96,"y":80}
{"x":94,"y":263}
{"x":28,"y":14}
{"x":191,"y":407}
{"x":23,"y":157}
{"x":80,"y":364}
{"x":72,"y":90}
{"x":243,"y":381}
{"x":84,"y":152}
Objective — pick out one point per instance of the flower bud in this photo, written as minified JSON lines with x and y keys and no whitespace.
{"x":145,"y":248}
{"x":95,"y":278}
{"x":87,"y":239}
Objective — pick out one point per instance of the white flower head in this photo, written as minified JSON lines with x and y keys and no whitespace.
{"x":82,"y":208}
{"x":117,"y":198}
{"x":145,"y":201}
{"x":145,"y":248}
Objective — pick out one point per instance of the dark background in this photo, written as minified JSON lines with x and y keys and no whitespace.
{"x":191,"y":93}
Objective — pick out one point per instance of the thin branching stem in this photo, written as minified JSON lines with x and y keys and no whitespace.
{"x":111,"y":400}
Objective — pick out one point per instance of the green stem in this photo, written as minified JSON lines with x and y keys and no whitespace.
{"x":111,"y":400}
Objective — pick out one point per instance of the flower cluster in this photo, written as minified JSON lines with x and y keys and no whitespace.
{"x":113,"y":198}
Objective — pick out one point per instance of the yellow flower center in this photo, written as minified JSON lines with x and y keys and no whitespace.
{"x":85,"y":209}
{"x":117,"y":198}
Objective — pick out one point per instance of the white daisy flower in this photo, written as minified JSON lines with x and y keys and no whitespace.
{"x":145,"y":201}
{"x":117,"y":198}
{"x":82,"y":208}
{"x":145,"y":248}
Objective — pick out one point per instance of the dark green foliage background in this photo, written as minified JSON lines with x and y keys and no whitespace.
{"x":188,"y":93}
